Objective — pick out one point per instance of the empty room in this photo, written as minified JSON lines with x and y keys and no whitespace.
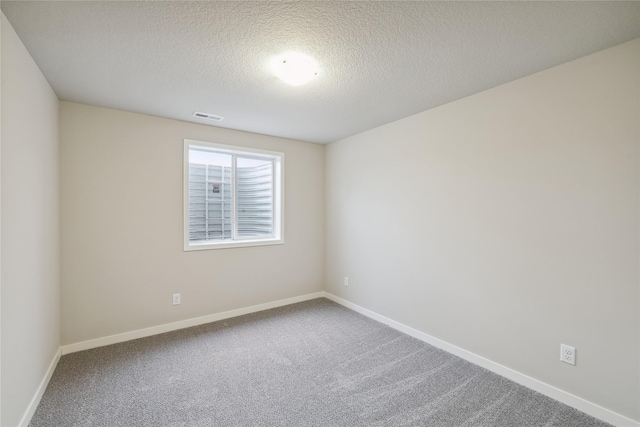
{"x":320,"y":213}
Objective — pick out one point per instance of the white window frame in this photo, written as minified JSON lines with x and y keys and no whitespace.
{"x":278,"y":196}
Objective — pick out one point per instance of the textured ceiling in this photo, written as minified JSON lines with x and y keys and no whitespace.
{"x":380,"y":61}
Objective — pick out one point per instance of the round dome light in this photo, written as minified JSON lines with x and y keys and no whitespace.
{"x":295,"y":68}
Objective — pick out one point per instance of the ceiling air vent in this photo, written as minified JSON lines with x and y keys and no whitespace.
{"x":207,"y":116}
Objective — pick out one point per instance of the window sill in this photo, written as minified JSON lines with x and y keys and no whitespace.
{"x":229,"y":245}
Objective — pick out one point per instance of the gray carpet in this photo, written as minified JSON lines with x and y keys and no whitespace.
{"x":314,"y":363}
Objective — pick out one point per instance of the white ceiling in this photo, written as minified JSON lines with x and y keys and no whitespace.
{"x":380,"y":61}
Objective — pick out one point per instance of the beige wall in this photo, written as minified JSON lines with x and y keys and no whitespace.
{"x":506,"y":223}
{"x":121,"y":224}
{"x":29,"y":242}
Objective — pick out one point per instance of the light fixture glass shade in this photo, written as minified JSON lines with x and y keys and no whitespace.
{"x":295,"y":68}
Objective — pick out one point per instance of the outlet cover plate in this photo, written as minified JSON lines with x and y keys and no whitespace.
{"x":568,"y":354}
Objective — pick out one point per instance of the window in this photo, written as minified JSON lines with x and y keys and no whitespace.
{"x":232,"y":196}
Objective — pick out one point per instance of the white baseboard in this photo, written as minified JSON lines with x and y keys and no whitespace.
{"x":35,"y":401}
{"x":569,"y":399}
{"x":168,"y":327}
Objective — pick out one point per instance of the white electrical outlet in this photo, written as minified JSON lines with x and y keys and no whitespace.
{"x":568,"y":354}
{"x":346,"y":281}
{"x":176,"y":299}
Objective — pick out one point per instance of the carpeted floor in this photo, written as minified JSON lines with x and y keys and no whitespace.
{"x":314,"y":363}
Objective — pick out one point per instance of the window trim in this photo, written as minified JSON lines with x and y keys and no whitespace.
{"x":278,"y":196}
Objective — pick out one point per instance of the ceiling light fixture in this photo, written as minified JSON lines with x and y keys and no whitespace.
{"x":295,"y":68}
